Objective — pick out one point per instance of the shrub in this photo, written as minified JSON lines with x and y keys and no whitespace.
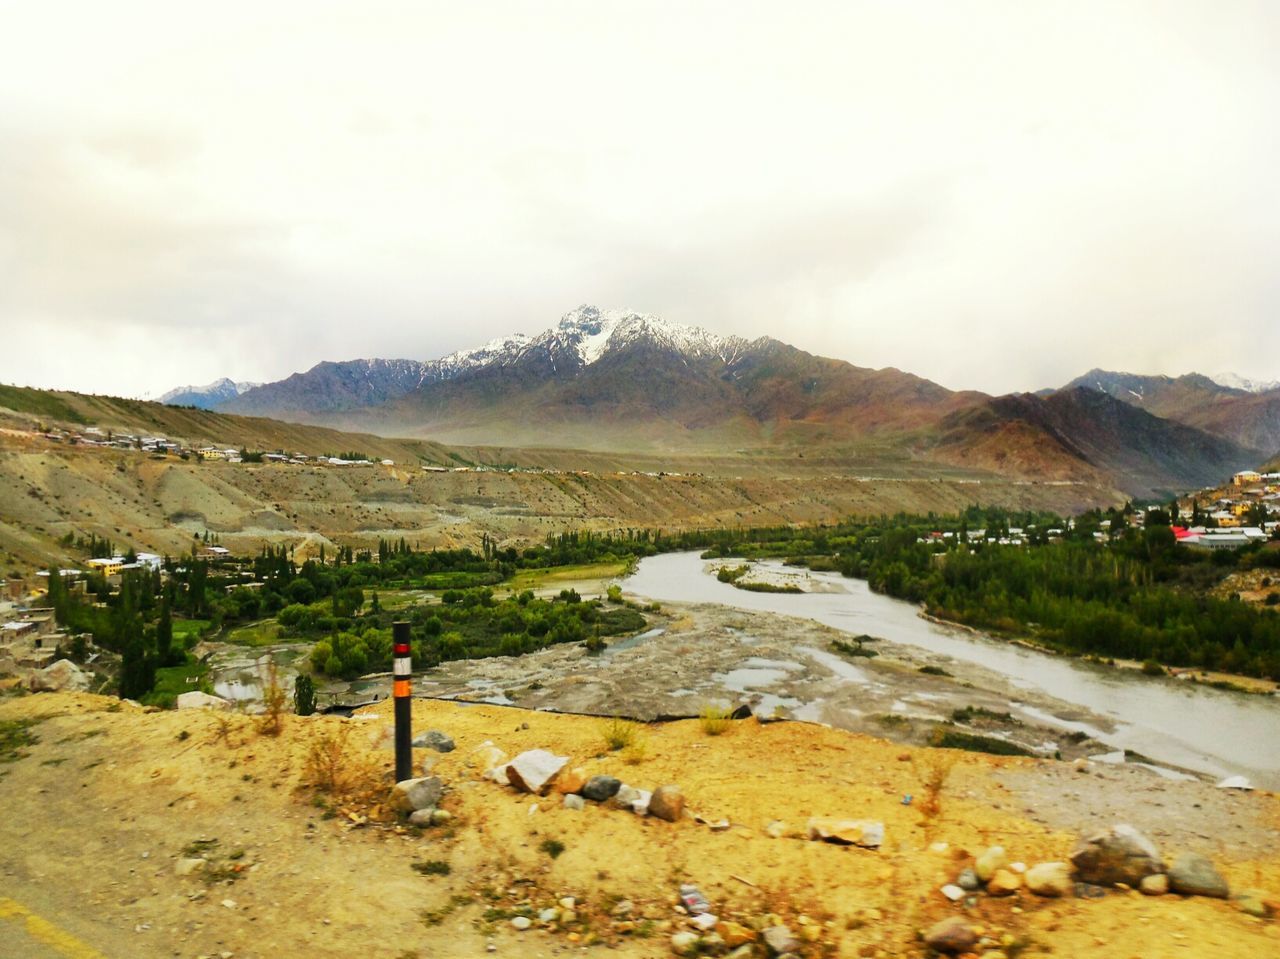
{"x":432,"y":867}
{"x":552,"y":847}
{"x":715,"y":719}
{"x":304,"y":695}
{"x":1151,"y":668}
{"x":619,"y":733}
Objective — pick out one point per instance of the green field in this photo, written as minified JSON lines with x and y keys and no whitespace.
{"x":265,"y":632}
{"x":172,"y":681}
{"x":556,"y":575}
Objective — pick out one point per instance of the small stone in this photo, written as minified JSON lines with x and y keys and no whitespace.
{"x":421,"y":817}
{"x":704,"y":921}
{"x":623,"y":909}
{"x":434,"y":739}
{"x":487,"y":758}
{"x":548,"y":915}
{"x":953,"y":892}
{"x":571,"y":780}
{"x":521,"y":923}
{"x":968,"y":880}
{"x":850,"y":832}
{"x":1156,"y":885}
{"x":423,"y":793}
{"x":440,"y":816}
{"x":574,"y":802}
{"x":776,"y":829}
{"x":712,"y":944}
{"x":1254,"y":902}
{"x":568,"y":917}
{"x":229,"y":903}
{"x":1052,"y":879}
{"x":535,"y":770}
{"x":667,"y":802}
{"x":1193,"y":875}
{"x":685,"y":943}
{"x":779,"y":940}
{"x":735,"y":934}
{"x":185,"y":867}
{"x":952,"y":935}
{"x":601,"y":788}
{"x":1004,"y":883}
{"x":568,"y":902}
{"x":991,"y":860}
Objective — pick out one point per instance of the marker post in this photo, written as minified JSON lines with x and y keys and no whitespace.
{"x":401,"y":671}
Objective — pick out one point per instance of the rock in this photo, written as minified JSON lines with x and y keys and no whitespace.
{"x":667,"y":803}
{"x":601,"y":788}
{"x":571,"y":780}
{"x":1156,"y":885}
{"x":421,"y":817}
{"x":568,"y":902}
{"x":779,"y":940}
{"x":1119,"y":854}
{"x":953,"y":892}
{"x":1087,"y":890}
{"x":712,"y":944}
{"x":1235,"y":782}
{"x":1193,"y":875}
{"x":521,"y":923}
{"x":640,"y":805}
{"x":574,"y":802}
{"x":849,"y":832}
{"x":549,"y":914}
{"x":491,"y":761}
{"x":198,"y":700}
{"x":776,"y":829}
{"x":58,"y":676}
{"x":413,"y":794}
{"x":185,"y":867}
{"x":1004,"y":883}
{"x":1254,"y":902}
{"x":685,"y":943}
{"x":1052,"y":879}
{"x":968,"y":880}
{"x":629,"y":797}
{"x":952,"y":936}
{"x":440,"y":816}
{"x":434,"y":739}
{"x":535,"y":770}
{"x":991,"y":860}
{"x":623,"y":909}
{"x":705,"y":921}
{"x":735,"y":934}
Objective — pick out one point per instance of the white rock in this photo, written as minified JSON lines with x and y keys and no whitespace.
{"x":521,"y":923}
{"x":185,"y":867}
{"x":705,"y":921}
{"x":64,"y":674}
{"x":1235,"y":782}
{"x":574,"y":802}
{"x":535,"y":770}
{"x":198,"y":700}
{"x":953,"y":892}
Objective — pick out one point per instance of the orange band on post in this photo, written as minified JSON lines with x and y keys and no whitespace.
{"x":400,"y":688}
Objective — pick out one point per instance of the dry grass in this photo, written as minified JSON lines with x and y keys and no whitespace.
{"x":933,"y":769}
{"x":619,"y":734}
{"x":332,"y":766}
{"x":715,"y":719}
{"x":271,"y":722}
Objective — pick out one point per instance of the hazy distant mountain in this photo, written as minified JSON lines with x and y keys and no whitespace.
{"x":1238,"y":382}
{"x":1081,"y":432}
{"x":1250,"y":418}
{"x":207,"y":397}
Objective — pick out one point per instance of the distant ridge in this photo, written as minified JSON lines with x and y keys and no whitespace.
{"x":207,"y":397}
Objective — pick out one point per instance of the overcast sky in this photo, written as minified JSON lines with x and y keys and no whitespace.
{"x":993,"y":195}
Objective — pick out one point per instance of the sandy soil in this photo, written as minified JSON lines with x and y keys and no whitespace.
{"x":107,"y":800}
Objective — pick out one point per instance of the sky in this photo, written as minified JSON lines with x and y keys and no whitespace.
{"x":997,"y":196}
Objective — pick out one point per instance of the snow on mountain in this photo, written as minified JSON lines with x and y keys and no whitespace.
{"x":1237,"y":382}
{"x":206,"y":396}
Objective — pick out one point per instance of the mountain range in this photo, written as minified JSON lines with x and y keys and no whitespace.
{"x":616,"y":380}
{"x":207,"y":397}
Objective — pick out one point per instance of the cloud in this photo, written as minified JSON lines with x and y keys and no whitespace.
{"x":996,"y":196}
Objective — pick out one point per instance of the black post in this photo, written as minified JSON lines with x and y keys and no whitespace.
{"x":400,"y":689}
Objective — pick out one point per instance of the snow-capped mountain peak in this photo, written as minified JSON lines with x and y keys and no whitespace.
{"x":206,"y":396}
{"x":1237,"y":382}
{"x":592,"y":333}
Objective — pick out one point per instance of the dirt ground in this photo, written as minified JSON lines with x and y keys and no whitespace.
{"x":103,"y":805}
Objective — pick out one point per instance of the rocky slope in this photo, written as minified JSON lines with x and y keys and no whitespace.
{"x":209,"y":396}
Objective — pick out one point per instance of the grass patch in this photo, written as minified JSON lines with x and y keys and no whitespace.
{"x":954,"y":739}
{"x":432,"y":867}
{"x":934,"y":671}
{"x":15,"y":737}
{"x":969,"y":713}
{"x":619,"y":733}
{"x":185,"y":630}
{"x":854,"y":648}
{"x":265,"y":632}
{"x":715,"y":720}
{"x":534,"y":578}
{"x":173,"y":681}
{"x":552,"y":847}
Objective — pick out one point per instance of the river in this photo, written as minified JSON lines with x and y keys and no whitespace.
{"x":1172,"y":721}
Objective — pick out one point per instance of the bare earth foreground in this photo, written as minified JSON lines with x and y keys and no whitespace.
{"x":101,"y":808}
